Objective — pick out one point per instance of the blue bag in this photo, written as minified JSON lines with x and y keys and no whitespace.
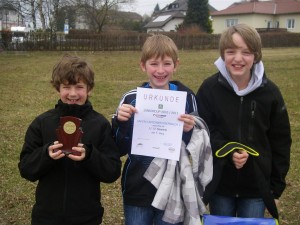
{"x":226,"y":220}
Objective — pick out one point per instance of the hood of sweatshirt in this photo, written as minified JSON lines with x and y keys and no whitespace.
{"x":255,"y":81}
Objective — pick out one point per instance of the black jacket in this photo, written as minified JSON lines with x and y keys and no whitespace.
{"x":138,"y":191}
{"x":258,"y":120}
{"x":68,"y":192}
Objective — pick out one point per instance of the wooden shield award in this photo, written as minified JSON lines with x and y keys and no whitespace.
{"x":69,"y":134}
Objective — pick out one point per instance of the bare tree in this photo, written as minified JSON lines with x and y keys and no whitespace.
{"x":41,"y":13}
{"x":46,"y":12}
{"x":49,"y":12}
{"x":33,"y":13}
{"x":28,"y":9}
{"x":96,"y":12}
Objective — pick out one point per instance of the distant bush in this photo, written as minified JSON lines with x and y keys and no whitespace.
{"x":6,"y":37}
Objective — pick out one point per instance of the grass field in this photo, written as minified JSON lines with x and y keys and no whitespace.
{"x":26,"y":92}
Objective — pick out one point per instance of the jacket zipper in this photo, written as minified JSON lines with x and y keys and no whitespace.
{"x":240,"y":119}
{"x":251,"y":124}
{"x":239,"y":138}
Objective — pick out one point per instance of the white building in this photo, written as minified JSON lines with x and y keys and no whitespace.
{"x":272,"y":14}
{"x":10,"y":17}
{"x":170,"y":17}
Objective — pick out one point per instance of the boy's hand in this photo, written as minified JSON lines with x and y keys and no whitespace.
{"x":125,"y":111}
{"x":188,"y":121}
{"x":55,"y":152}
{"x":80,"y":148}
{"x":239,"y":158}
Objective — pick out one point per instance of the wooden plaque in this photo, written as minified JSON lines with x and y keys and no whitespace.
{"x":69,"y":134}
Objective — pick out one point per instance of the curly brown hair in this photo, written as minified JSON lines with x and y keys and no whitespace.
{"x":71,"y":70}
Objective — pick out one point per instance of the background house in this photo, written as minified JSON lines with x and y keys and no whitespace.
{"x":170,"y":17}
{"x":10,"y":17}
{"x":271,"y":14}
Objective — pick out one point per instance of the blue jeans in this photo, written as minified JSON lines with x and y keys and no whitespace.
{"x":237,"y":207}
{"x":135,"y":215}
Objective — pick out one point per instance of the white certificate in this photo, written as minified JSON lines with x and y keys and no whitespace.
{"x":157,"y":132}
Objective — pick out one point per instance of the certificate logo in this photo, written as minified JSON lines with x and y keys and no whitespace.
{"x":159,"y":115}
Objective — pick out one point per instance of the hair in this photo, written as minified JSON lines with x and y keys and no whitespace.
{"x":249,"y":35}
{"x":71,"y":70}
{"x":159,"y":46}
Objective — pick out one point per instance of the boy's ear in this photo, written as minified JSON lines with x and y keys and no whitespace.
{"x":89,"y":91}
{"x":176,"y":64}
{"x":143,"y":66}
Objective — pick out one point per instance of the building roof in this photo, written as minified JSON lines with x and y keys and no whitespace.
{"x":163,"y":19}
{"x":8,"y":6}
{"x":274,"y":7}
{"x":176,"y":9}
{"x":177,"y":5}
{"x":181,"y":5}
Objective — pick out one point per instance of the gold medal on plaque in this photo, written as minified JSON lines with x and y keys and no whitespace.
{"x":69,"y":127}
{"x":69,"y":133}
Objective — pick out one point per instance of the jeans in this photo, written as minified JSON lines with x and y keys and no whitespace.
{"x":135,"y":215}
{"x":237,"y":206}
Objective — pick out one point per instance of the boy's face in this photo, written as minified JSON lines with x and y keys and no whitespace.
{"x":239,"y":60}
{"x":159,"y":71}
{"x":74,"y":93}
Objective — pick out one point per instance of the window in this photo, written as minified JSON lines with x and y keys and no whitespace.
{"x":290,"y":24}
{"x":173,"y":6}
{"x":269,"y":24}
{"x":231,"y":22}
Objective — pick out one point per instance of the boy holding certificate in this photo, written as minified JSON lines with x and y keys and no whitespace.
{"x":68,"y":188}
{"x":159,"y":60}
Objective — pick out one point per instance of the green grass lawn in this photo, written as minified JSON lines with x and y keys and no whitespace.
{"x":26,"y":92}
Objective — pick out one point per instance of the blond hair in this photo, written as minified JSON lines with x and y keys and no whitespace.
{"x":159,"y":46}
{"x":249,"y":35}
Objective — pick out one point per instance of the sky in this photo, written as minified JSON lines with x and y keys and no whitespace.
{"x":147,"y":6}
